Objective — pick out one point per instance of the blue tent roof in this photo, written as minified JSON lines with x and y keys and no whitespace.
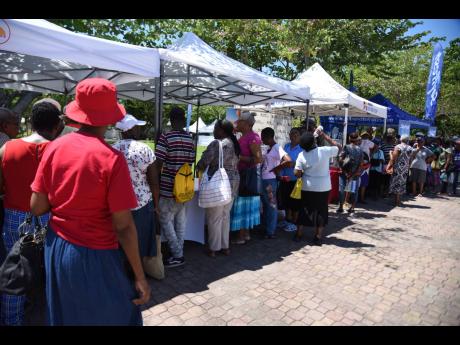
{"x":394,"y":115}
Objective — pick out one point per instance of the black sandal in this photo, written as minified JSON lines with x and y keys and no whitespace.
{"x":297,"y":238}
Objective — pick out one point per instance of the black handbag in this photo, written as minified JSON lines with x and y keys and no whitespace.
{"x":23,"y":271}
{"x":375,"y":162}
{"x":250,"y":182}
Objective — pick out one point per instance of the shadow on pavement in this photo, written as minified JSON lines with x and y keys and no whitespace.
{"x":368,"y":215}
{"x":406,"y":205}
{"x":331,"y":240}
{"x":201,"y":270}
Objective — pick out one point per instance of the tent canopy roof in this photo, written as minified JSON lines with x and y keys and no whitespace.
{"x":395,"y":114}
{"x":328,"y":97}
{"x":37,"y":55}
{"x":40,"y":56}
{"x":192,"y":70}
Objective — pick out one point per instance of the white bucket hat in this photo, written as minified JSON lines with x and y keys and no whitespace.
{"x":128,"y":122}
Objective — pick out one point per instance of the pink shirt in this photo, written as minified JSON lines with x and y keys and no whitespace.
{"x":245,"y":141}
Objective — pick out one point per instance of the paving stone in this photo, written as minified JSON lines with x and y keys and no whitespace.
{"x":384,"y":270}
{"x":237,"y":322}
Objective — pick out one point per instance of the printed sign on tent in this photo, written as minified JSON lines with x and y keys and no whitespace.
{"x":189,"y":116}
{"x":404,"y":128}
{"x":434,"y":83}
{"x":432,"y":131}
{"x":232,"y":115}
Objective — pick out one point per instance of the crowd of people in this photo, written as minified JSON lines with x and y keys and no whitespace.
{"x":106,"y":206}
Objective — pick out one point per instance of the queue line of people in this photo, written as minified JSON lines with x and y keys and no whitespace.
{"x":107,"y":204}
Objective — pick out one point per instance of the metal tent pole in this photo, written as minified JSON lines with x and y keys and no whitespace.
{"x":158,"y":117}
{"x":307,"y":115}
{"x":384,"y":126}
{"x":197,"y":131}
{"x":345,"y":126}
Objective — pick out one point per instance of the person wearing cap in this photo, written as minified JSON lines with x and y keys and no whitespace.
{"x":398,"y":168}
{"x":351,"y":172}
{"x":64,"y":128}
{"x":375,"y":173}
{"x":420,"y":157}
{"x":245,"y":213}
{"x":140,"y":159}
{"x":86,"y":185}
{"x":19,"y":163}
{"x":312,"y":165}
{"x":367,"y":146}
{"x":173,"y":150}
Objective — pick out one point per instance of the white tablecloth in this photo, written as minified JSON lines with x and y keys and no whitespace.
{"x":195,"y":220}
{"x":194,"y":230}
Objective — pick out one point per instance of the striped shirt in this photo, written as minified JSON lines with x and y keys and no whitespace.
{"x":174,"y":149}
{"x":387,"y":148}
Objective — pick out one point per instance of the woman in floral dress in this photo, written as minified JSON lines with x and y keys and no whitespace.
{"x":398,"y":167}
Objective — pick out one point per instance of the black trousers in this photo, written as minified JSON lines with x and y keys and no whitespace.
{"x":375,"y":181}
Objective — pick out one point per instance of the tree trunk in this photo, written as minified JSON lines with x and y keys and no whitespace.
{"x":26,"y":98}
{"x":7,"y":97}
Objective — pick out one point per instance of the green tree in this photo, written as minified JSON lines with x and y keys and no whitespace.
{"x":448,"y":114}
{"x":405,"y":83}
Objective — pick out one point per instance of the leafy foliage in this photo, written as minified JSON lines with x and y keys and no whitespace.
{"x":380,"y":53}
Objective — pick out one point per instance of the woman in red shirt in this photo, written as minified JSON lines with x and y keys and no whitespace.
{"x":86,"y":185}
{"x":20,"y":158}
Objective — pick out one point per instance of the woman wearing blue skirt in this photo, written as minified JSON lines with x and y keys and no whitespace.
{"x":140,"y":158}
{"x":86,"y":185}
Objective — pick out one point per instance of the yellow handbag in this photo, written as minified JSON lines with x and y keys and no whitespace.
{"x":297,"y":191}
{"x":435,"y":165}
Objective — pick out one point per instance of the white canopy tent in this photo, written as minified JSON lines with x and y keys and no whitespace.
{"x":194,"y":72}
{"x":209,"y":129}
{"x":328,"y":97}
{"x":193,"y":127}
{"x":37,"y":55}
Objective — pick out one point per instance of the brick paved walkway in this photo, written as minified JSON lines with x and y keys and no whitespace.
{"x":382,"y":266}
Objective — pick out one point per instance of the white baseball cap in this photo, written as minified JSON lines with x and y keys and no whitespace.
{"x":52,"y":101}
{"x":128,"y":122}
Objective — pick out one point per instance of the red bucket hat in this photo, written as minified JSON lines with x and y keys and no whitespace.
{"x":95,"y":103}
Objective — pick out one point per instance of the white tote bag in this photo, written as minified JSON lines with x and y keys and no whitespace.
{"x":216,"y":191}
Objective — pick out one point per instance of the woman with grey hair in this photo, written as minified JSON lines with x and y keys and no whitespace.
{"x":398,"y":167}
{"x":245,"y":214}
